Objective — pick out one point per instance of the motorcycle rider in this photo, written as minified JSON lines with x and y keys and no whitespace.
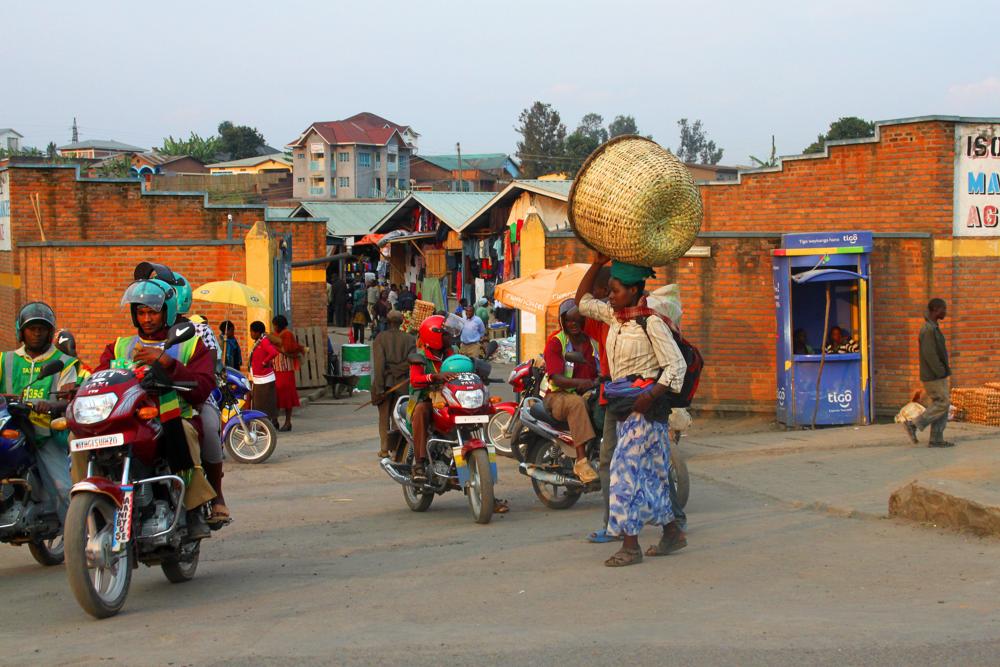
{"x":153,"y":305}
{"x":434,"y":345}
{"x":568,"y":382}
{"x":36,"y":326}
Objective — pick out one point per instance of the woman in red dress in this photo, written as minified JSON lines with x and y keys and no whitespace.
{"x":285,"y":366}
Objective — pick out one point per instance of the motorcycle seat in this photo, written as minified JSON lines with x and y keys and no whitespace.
{"x":539,"y":412}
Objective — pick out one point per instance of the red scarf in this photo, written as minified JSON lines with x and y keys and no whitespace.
{"x":634,"y":312}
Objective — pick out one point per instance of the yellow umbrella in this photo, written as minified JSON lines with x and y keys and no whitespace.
{"x":231,"y":292}
{"x":541,"y":289}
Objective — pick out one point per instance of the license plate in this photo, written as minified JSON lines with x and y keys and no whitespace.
{"x":472,"y":419}
{"x":97,"y":442}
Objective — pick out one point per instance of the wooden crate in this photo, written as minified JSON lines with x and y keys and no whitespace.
{"x":312,"y":364}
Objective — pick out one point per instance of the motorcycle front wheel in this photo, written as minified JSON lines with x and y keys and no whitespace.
{"x":48,"y":552}
{"x":100,"y":581}
{"x":480,"y":491}
{"x":545,"y":454}
{"x":415,"y":500}
{"x":253,"y":444}
{"x":498,"y":431}
{"x":679,"y":476}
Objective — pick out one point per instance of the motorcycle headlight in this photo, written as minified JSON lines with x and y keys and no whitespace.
{"x":470,"y":399}
{"x":92,"y":409}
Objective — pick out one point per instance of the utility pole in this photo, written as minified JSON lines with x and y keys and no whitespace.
{"x":76,"y":135}
{"x":461,"y":185}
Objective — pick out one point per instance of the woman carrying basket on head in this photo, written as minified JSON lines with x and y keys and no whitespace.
{"x":646,"y":364}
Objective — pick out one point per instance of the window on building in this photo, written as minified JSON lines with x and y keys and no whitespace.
{"x":391,"y":158}
{"x":402,"y":161}
{"x":301,"y":179}
{"x":378,"y":159}
{"x":364,"y":159}
{"x":343,"y":182}
{"x":378,"y":183}
{"x":401,"y":183}
{"x":344,"y":156}
{"x":301,"y":156}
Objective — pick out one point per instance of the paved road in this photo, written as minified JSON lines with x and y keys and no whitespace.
{"x":326,"y":565}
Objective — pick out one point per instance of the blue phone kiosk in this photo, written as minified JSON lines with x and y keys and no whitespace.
{"x":822,"y":292}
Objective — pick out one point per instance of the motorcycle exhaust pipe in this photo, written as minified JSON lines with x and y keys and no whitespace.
{"x":388,"y":465}
{"x":548,"y":477}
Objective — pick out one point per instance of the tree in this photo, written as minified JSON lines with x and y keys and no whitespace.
{"x":695,"y":145}
{"x":771,"y":161}
{"x":119,"y":167}
{"x":204,"y":149}
{"x":848,"y":127}
{"x":51,"y":151}
{"x":588,"y":135}
{"x":240,"y":141}
{"x":542,"y":146}
{"x":622,"y":125}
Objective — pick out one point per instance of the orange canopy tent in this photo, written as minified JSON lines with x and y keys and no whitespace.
{"x":541,"y":289}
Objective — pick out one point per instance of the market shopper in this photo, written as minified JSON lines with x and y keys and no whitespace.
{"x":638,"y":464}
{"x":473,"y":334}
{"x":360,"y":317}
{"x":285,"y":366}
{"x":390,"y":366}
{"x":261,"y":364}
{"x":935,"y":374}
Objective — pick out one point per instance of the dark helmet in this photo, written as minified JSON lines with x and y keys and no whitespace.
{"x":36,"y":311}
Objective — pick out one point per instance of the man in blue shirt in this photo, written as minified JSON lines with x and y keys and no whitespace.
{"x":473,"y":332}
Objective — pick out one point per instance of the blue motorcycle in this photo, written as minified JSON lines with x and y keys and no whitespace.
{"x":248,"y":435}
{"x":27,"y":514}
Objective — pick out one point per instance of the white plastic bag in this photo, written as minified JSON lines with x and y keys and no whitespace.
{"x":667,"y":302}
{"x":909,"y":412}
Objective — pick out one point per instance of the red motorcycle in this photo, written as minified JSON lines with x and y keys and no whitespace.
{"x":130,"y":508}
{"x":505,"y":426}
{"x":458,"y":455}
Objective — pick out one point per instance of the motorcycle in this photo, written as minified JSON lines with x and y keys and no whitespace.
{"x":549,"y":455}
{"x":27,"y":513}
{"x":130,"y":508}
{"x":249,"y":435}
{"x":458,"y":455}
{"x":504,"y":427}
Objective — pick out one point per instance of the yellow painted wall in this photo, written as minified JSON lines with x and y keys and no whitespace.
{"x":533,"y":259}
{"x":260,"y":251}
{"x":256,"y":169}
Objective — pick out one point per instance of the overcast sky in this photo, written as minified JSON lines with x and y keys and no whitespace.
{"x":464,"y":70}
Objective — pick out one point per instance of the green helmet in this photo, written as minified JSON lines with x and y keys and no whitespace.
{"x":184,"y":294}
{"x":154,"y":294}
{"x":458,"y":363}
{"x":35,"y":311}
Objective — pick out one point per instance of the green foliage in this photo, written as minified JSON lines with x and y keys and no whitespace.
{"x":771,"y":161}
{"x":542,"y":146}
{"x":25,"y":151}
{"x":51,"y":151}
{"x":848,"y":127}
{"x":205,"y":149}
{"x":240,"y":141}
{"x":119,"y":167}
{"x":622,"y":125}
{"x":588,"y":135}
{"x":695,"y":145}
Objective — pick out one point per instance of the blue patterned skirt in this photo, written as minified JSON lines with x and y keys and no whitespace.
{"x":640,"y":477}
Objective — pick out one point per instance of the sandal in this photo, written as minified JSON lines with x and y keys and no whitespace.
{"x":500,"y":506}
{"x":624,"y":557}
{"x":285,"y":428}
{"x":603,"y":537}
{"x":668,"y":545}
{"x":220,"y":515}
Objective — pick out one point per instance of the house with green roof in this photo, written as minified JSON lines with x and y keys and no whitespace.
{"x":475,"y":172}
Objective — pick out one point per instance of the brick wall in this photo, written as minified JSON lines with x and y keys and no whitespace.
{"x":900,"y":184}
{"x":96,"y":231}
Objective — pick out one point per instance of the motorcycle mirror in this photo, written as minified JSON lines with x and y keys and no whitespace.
{"x":179,"y":333}
{"x":66,"y":343}
{"x":50,"y":369}
{"x":483,"y":369}
{"x":146,"y":270}
{"x":575,"y":357}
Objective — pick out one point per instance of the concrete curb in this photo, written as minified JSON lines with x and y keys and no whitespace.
{"x":313,"y":395}
{"x":948,"y":504}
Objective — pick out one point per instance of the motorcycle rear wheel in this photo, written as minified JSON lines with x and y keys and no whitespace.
{"x":544,"y":453}
{"x":100,"y":591}
{"x":255,"y":444}
{"x":480,"y":491}
{"x":680,"y":478}
{"x":415,"y":500}
{"x":48,"y":552}
{"x":183,"y":569}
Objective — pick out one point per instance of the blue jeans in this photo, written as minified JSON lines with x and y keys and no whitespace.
{"x":53,"y":467}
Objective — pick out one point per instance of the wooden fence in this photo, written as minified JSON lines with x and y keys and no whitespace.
{"x":313,"y":362}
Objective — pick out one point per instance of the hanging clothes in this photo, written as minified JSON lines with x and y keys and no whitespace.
{"x":430,"y":290}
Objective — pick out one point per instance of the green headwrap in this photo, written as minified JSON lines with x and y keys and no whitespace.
{"x":630,"y":274}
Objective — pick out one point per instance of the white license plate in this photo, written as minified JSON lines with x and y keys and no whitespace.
{"x":97,"y":442}
{"x":472,"y":419}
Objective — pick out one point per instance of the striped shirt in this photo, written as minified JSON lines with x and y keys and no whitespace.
{"x":632,"y":351}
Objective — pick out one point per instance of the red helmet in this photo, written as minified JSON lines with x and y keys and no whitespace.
{"x":431,"y":335}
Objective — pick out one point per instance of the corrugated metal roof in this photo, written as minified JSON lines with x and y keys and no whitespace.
{"x":560,"y":188}
{"x":102,"y":145}
{"x":251,"y":161}
{"x":482,"y":161}
{"x":279,"y":211}
{"x":555,"y":189}
{"x":346,"y":218}
{"x":452,"y":208}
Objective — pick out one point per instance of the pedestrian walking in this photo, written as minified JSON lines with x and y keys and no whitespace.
{"x":642,"y":347}
{"x":473,"y":334}
{"x":935,"y":374}
{"x":232,"y":354}
{"x":390,"y":366}
{"x":262,"y":356}
{"x":360,"y":317}
{"x":340,"y":294}
{"x":285,"y":366}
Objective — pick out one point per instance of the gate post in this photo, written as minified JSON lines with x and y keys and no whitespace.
{"x":260,"y":249}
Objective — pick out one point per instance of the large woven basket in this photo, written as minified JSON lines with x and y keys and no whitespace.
{"x":635,"y":202}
